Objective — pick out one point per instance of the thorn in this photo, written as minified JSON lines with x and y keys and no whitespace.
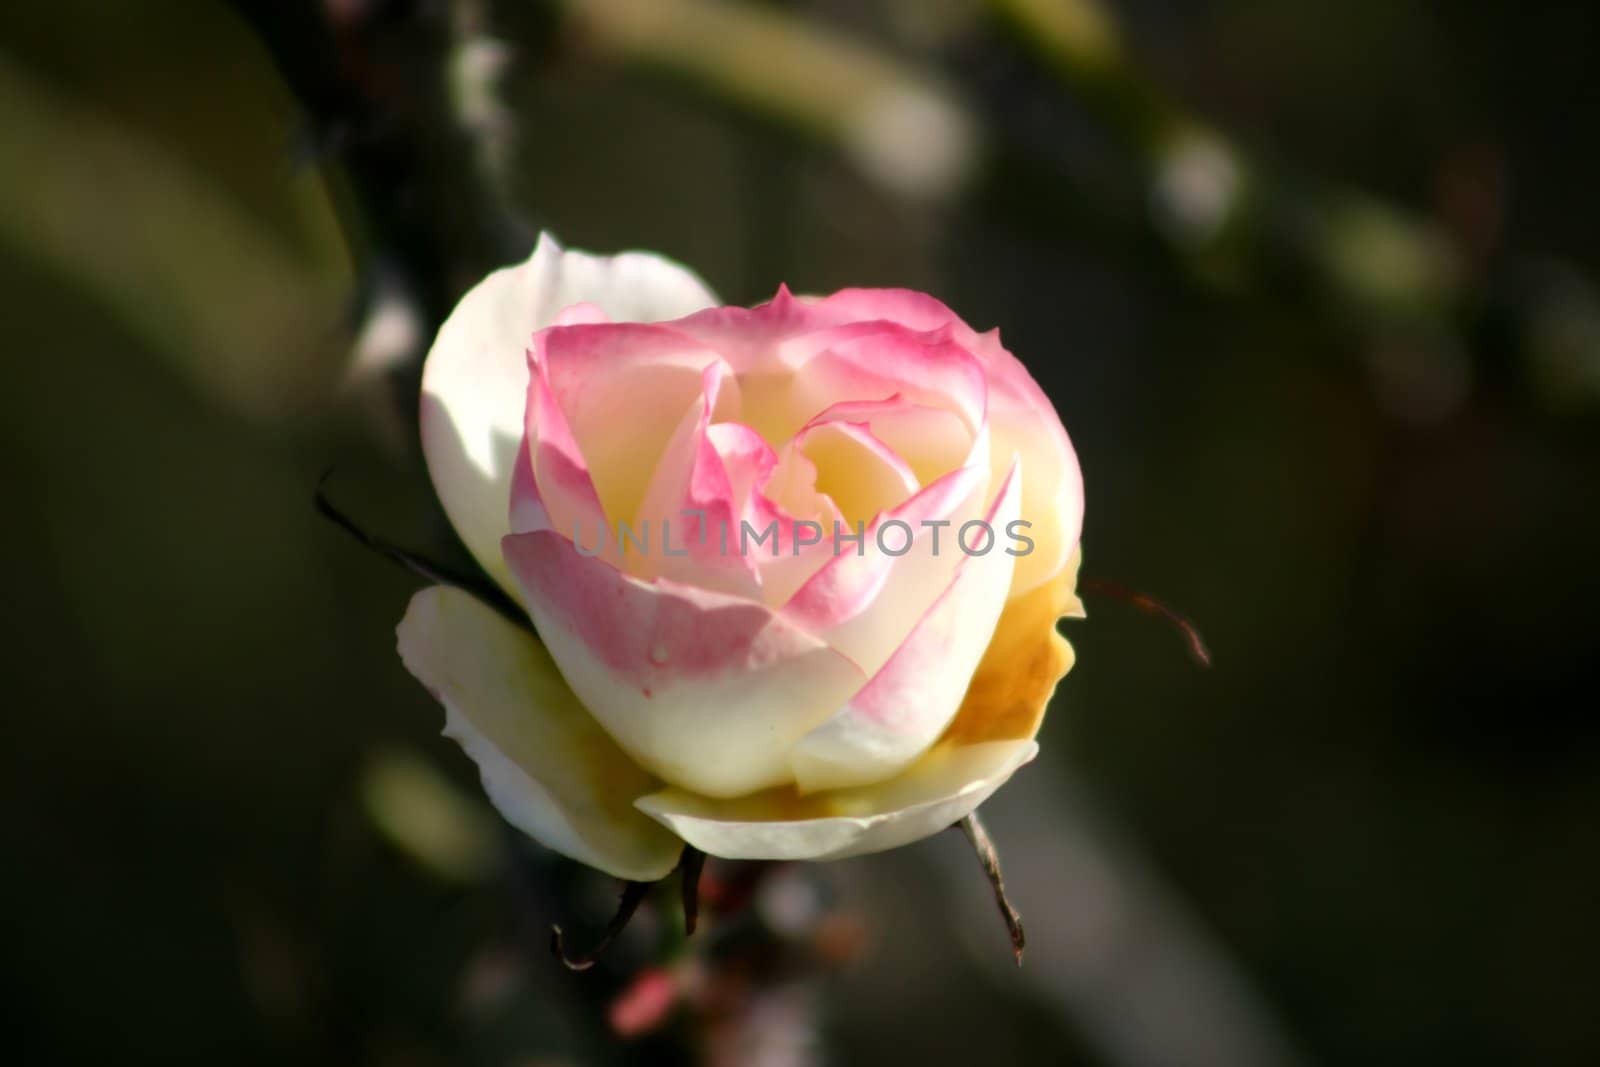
{"x":691,"y":863}
{"x":1152,"y":606}
{"x":632,"y":894}
{"x":978,"y":837}
{"x":425,"y":569}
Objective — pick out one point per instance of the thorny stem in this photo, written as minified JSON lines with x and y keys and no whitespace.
{"x":632,"y":894}
{"x":978,"y":837}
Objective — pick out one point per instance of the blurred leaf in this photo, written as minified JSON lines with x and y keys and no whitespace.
{"x":249,"y":316}
{"x":900,"y":125}
{"x":429,"y":819}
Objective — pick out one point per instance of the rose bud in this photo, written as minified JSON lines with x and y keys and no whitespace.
{"x":795,"y":570}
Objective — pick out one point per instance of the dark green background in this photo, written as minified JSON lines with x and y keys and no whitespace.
{"x":1381,"y":805}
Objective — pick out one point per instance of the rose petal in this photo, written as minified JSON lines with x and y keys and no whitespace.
{"x":546,"y":764}
{"x":474,"y":383}
{"x":749,"y":337}
{"x":943,"y":787}
{"x":1025,"y":660}
{"x":874,"y":360}
{"x":706,"y":690}
{"x":624,"y":388}
{"x":797,"y":356}
{"x":551,"y":487}
{"x":860,"y":473}
{"x":1052,"y":489}
{"x":773,"y":494}
{"x":908,"y":703}
{"x":930,"y":441}
{"x":690,"y":506}
{"x":865,"y":604}
{"x":1022,"y":421}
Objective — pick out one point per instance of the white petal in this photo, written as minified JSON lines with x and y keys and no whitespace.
{"x":546,"y":764}
{"x":943,"y":787}
{"x":707,"y":690}
{"x":475,"y":380}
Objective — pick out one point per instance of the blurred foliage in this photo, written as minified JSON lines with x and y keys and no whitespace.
{"x":1310,"y":282}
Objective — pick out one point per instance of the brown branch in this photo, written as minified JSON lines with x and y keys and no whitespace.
{"x":978,"y":837}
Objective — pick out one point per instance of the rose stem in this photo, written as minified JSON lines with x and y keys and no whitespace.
{"x":414,"y":563}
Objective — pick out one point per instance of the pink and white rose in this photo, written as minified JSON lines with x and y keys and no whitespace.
{"x":796,"y":697}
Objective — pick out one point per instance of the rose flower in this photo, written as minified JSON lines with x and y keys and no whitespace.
{"x":795,"y":570}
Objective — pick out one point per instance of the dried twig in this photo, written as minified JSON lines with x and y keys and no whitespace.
{"x":978,"y":837}
{"x":632,"y":894}
{"x":1151,"y":606}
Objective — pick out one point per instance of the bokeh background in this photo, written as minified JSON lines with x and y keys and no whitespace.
{"x":1312,"y":284}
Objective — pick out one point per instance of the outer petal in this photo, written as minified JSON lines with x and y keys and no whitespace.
{"x":548,"y":767}
{"x":873,"y":360}
{"x":908,"y":703}
{"x":474,"y":383}
{"x":706,"y":690}
{"x":1023,"y":424}
{"x":1019,"y":670}
{"x":750,"y":338}
{"x":796,"y":357}
{"x":943,"y":787}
